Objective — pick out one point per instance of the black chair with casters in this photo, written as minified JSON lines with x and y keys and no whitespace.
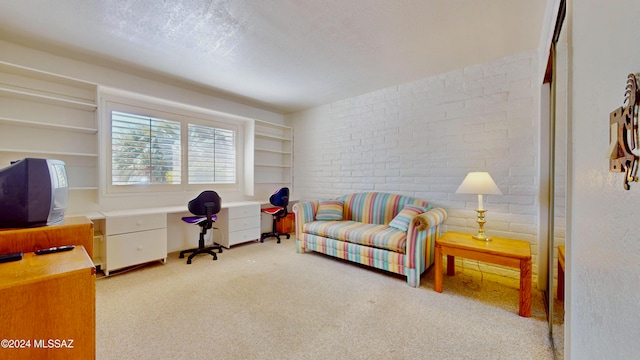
{"x":205,"y":207}
{"x":280,"y":201}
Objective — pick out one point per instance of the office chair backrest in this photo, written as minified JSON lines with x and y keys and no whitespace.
{"x":207,"y":203}
{"x":280,"y":198}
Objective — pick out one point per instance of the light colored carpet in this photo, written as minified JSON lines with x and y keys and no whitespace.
{"x":558,"y":329}
{"x":265,"y":301}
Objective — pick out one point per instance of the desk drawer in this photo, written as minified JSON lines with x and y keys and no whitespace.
{"x":244,"y":223}
{"x":128,"y":224}
{"x":136,"y":248}
{"x":236,"y":237}
{"x":244,"y":211}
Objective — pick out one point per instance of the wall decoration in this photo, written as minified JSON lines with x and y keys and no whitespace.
{"x":623,"y":134}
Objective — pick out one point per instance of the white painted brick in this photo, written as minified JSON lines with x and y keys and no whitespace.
{"x":473,"y":72}
{"x":421,"y":138}
{"x":483,"y":80}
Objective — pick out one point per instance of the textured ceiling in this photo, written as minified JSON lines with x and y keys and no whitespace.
{"x":284,"y":55}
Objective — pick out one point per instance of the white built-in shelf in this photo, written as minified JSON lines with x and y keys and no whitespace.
{"x":39,"y":152}
{"x":37,"y":124}
{"x":47,"y":99}
{"x":28,"y":72}
{"x":271,"y":136}
{"x":274,"y":165}
{"x":273,"y":151}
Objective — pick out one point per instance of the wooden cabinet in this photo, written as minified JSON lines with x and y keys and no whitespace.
{"x":239,"y":222}
{"x":48,"y":306}
{"x":74,"y":230}
{"x":134,"y":238}
{"x":287,"y":224}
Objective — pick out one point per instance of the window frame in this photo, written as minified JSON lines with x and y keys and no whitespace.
{"x":185,"y":114}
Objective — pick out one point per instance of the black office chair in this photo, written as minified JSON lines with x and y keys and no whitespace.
{"x":280,"y":201}
{"x":204,"y":207}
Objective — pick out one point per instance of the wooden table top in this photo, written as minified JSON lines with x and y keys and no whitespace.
{"x":68,"y":221}
{"x":33,"y":268}
{"x":518,"y":249}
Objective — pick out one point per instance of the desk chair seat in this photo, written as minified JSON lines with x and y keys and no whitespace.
{"x":204,"y":207}
{"x":280,"y":201}
{"x":195,"y":220}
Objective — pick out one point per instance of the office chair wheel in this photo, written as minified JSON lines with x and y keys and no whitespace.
{"x":181,"y":256}
{"x":188,"y":261}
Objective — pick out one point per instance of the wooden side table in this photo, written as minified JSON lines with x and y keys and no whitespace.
{"x":48,"y":306}
{"x":500,"y":251}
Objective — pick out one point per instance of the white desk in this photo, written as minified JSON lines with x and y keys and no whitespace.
{"x":136,"y":236}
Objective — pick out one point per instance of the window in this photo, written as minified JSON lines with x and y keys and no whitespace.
{"x":212,"y":155}
{"x":154,"y":147}
{"x":144,"y":150}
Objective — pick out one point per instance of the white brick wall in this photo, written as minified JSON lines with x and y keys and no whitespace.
{"x":421,"y":139}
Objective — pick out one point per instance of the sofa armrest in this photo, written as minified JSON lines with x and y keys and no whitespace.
{"x":304,"y":212}
{"x":423,"y":230}
{"x":433,"y":217}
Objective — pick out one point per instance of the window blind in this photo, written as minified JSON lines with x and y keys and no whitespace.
{"x":144,"y":150}
{"x":212,"y":155}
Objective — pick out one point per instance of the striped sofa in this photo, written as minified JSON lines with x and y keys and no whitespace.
{"x":386,"y":231}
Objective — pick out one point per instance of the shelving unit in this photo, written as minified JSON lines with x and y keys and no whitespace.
{"x":273,"y":157}
{"x":50,"y":116}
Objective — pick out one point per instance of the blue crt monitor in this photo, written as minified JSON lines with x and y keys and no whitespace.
{"x":33,"y":192}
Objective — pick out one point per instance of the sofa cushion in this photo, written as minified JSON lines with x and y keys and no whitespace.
{"x":378,"y":236}
{"x":404,"y":217}
{"x":376,"y":207}
{"x":329,"y":210}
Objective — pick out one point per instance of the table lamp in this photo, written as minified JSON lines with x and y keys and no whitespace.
{"x":479,"y":183}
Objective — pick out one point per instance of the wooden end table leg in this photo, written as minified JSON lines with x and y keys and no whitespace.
{"x":560,"y":281}
{"x":451,"y":265}
{"x":437,"y":281}
{"x":525,"y":287}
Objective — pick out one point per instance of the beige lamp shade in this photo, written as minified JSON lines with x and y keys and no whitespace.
{"x":479,"y":183}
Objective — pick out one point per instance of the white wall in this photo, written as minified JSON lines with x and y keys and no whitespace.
{"x":129,"y":81}
{"x":421,"y":139}
{"x":603,"y":253}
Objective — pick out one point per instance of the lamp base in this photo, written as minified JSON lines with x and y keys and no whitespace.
{"x":481,"y":237}
{"x":481,"y":221}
